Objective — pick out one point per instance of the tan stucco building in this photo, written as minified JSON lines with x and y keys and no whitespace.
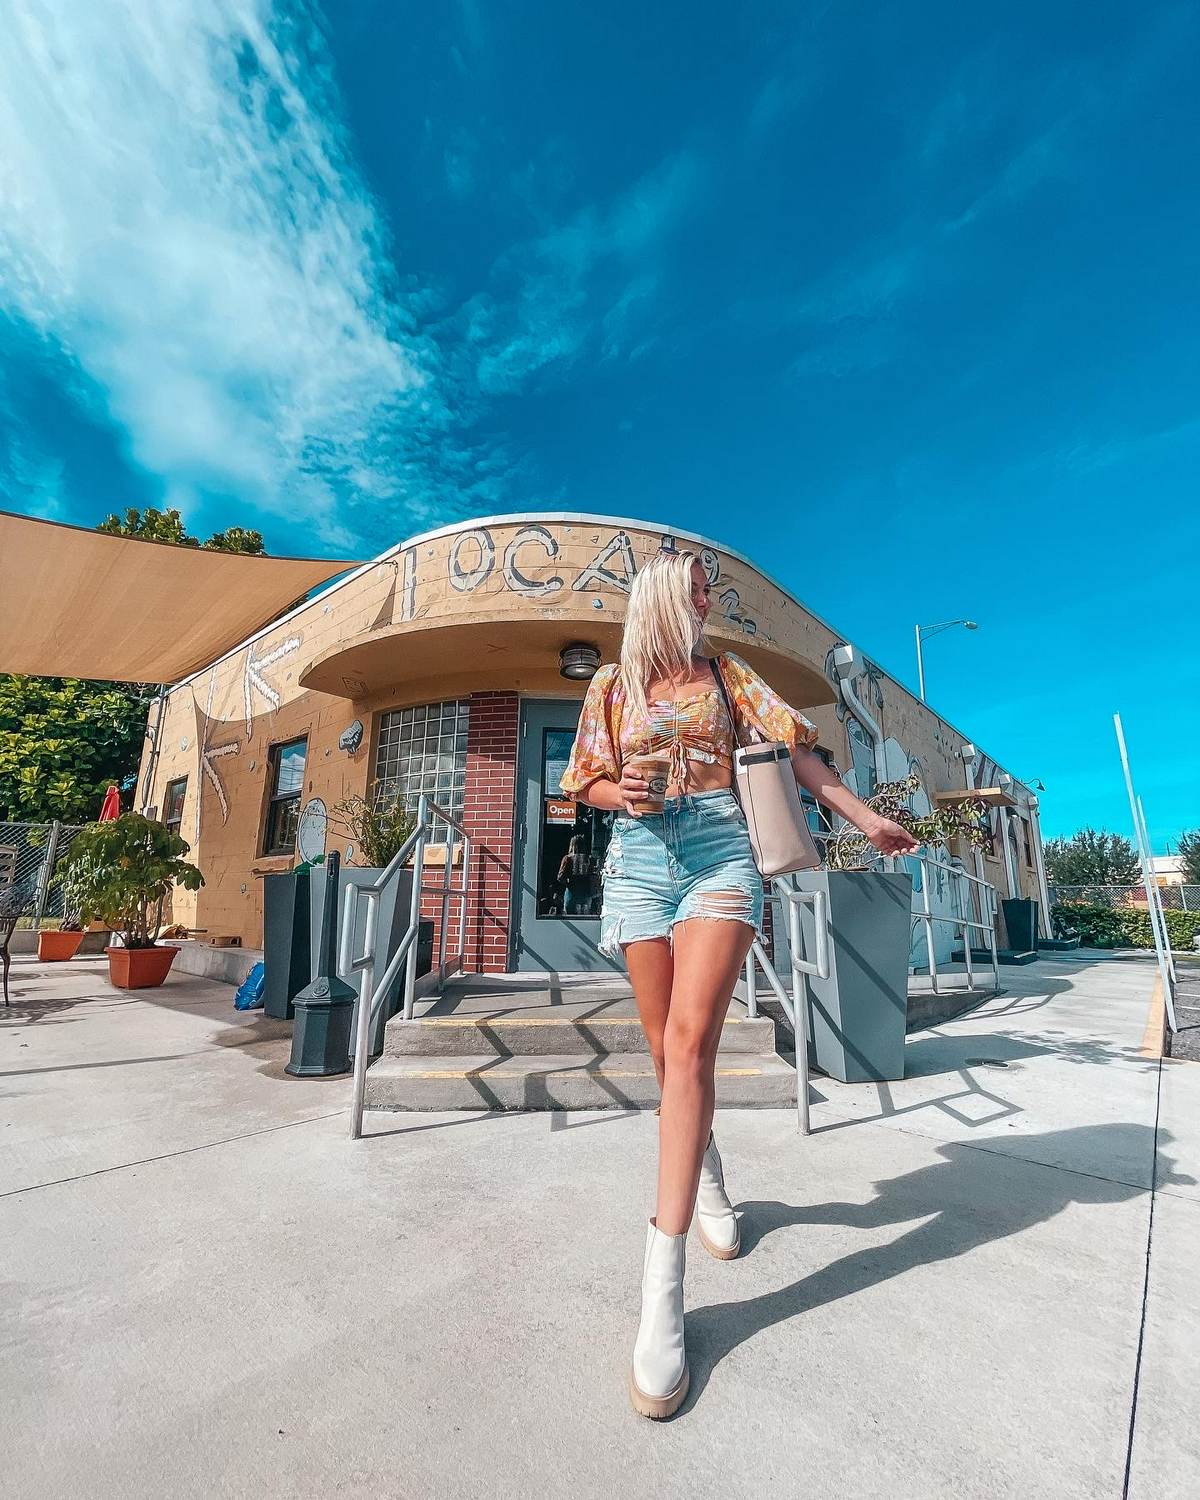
{"x":438,"y":668}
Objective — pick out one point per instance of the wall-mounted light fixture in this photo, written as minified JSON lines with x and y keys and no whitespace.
{"x":578,"y":661}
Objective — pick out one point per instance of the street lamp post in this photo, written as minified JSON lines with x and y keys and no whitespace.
{"x":923,"y":633}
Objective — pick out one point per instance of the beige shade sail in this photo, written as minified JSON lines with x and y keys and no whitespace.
{"x":79,"y":603}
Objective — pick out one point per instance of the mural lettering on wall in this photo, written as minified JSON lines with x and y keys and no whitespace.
{"x":253,"y":680}
{"x":402,"y":591}
{"x":598,"y":572}
{"x":408,"y":586}
{"x":466,"y":572}
{"x":731,"y":604}
{"x":472,"y":562}
{"x":707,"y":557}
{"x":532,"y":588}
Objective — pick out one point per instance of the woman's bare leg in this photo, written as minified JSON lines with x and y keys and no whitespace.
{"x":651,"y":969}
{"x":708,"y":956}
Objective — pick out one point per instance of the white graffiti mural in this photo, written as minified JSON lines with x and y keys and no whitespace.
{"x":254,"y":680}
{"x":208,"y":755}
{"x":474,"y":560}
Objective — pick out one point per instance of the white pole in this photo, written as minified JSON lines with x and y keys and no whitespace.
{"x":1164,"y":967}
{"x":920,"y":665}
{"x":1153,"y":895}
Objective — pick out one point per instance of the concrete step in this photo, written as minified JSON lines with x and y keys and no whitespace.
{"x":553,"y":1036}
{"x":569,"y":1081}
{"x":482,"y":1016}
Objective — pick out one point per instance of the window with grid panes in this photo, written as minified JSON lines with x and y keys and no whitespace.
{"x":424,"y":749}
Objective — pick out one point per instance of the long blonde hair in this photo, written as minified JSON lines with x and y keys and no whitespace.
{"x":662,"y":629}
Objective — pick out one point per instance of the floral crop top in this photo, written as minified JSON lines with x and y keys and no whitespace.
{"x":696,"y":728}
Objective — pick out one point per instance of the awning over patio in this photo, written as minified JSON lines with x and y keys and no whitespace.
{"x":79,"y":603}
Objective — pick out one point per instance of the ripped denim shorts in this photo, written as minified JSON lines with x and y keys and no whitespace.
{"x":691,"y":860}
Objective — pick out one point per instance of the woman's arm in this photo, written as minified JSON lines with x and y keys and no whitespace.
{"x":827,"y":786}
{"x":614,"y":796}
{"x":777,"y":720}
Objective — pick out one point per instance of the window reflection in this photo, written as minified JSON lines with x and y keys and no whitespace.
{"x":573,"y":840}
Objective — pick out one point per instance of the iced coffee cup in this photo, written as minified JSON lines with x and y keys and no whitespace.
{"x":655,"y":770}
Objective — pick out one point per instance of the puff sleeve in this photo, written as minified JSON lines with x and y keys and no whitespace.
{"x":593,"y":755}
{"x":763,"y":709}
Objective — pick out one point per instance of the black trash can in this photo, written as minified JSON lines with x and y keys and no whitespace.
{"x":1021,"y":924}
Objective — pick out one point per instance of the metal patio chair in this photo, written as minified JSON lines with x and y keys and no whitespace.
{"x":16,"y":901}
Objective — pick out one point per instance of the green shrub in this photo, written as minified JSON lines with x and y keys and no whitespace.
{"x":380,"y":826}
{"x":121,"y":872}
{"x":1125,"y":927}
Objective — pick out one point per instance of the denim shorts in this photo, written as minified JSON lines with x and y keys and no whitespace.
{"x":691,"y":860}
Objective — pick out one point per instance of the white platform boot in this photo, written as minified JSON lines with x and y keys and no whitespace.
{"x":658,"y":1378}
{"x":716,"y":1222}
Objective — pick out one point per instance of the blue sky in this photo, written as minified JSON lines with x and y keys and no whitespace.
{"x":899,"y":300}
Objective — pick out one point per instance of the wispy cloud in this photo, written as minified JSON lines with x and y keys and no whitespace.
{"x":1088,"y":455}
{"x":183,"y":218}
{"x":594,"y":277}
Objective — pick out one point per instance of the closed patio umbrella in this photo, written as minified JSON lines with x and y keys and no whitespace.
{"x":111,"y":809}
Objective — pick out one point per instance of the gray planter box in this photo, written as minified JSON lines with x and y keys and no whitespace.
{"x":286,"y":940}
{"x":857,"y":1016}
{"x":394,"y":907}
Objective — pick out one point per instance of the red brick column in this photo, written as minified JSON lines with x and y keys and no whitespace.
{"x":488,"y":816}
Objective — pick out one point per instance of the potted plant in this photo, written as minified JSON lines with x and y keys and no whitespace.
{"x":859,"y":1013}
{"x":122,"y":873}
{"x":57,"y":944}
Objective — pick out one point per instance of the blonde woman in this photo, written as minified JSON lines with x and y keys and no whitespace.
{"x":683,"y":901}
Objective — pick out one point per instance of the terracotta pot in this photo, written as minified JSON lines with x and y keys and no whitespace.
{"x":56,"y":947}
{"x":140,"y":968}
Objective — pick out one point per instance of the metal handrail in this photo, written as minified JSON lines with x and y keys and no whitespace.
{"x":371,"y":994}
{"x":987,"y":924}
{"x":795,"y":1006}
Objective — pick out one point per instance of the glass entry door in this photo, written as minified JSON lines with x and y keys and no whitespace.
{"x":559,"y":850}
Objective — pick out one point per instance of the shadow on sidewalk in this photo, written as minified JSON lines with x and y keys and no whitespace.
{"x":961,"y":1209}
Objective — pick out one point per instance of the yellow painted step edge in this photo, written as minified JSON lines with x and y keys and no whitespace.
{"x":561,"y":1073}
{"x":542,"y":1020}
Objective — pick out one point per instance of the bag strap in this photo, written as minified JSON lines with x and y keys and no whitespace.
{"x":729,"y":708}
{"x":714,"y":663}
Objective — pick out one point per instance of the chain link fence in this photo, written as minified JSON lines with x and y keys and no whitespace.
{"x":29,"y":856}
{"x":1124,"y":897}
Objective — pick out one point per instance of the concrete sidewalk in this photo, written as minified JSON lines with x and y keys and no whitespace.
{"x":209,"y":1290}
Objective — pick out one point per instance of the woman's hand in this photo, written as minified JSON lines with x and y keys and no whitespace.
{"x":887,"y":836}
{"x":632,"y":789}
